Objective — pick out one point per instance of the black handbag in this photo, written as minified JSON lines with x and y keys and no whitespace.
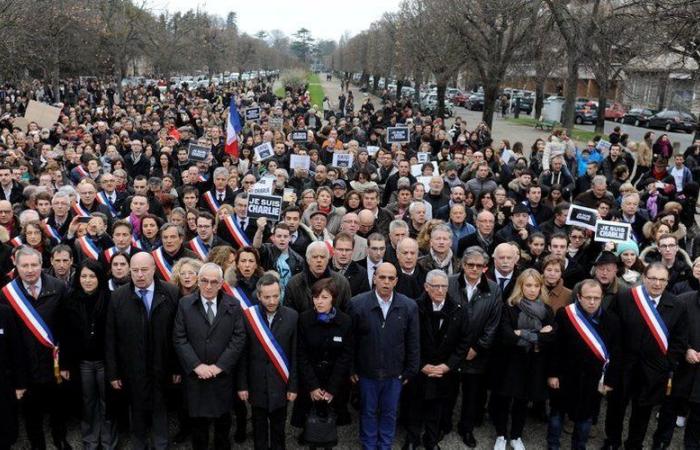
{"x":320,"y":428}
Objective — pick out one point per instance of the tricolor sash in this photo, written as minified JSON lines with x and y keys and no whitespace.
{"x":231,"y":222}
{"x":104,"y":200}
{"x":587,"y":332}
{"x":32,"y":320}
{"x":199,"y":247}
{"x":88,"y":247}
{"x":79,"y":210}
{"x":202,"y":178}
{"x":51,"y":233}
{"x":257,"y":322}
{"x":212,"y":202}
{"x":109,"y":253}
{"x":16,"y":241}
{"x":81,"y":171}
{"x":136,"y":243}
{"x":651,"y":317}
{"x":164,"y":267}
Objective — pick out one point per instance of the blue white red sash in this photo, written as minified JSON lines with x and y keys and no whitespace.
{"x":89,"y":248}
{"x":164,"y":267}
{"x":104,"y":200}
{"x":31,"y":318}
{"x":329,"y":246}
{"x":79,"y":210}
{"x":199,"y":247}
{"x":651,"y":317}
{"x":212,"y":202}
{"x":80,"y":170}
{"x":202,"y":179}
{"x":262,"y":332}
{"x":52,"y":233}
{"x":136,"y":243}
{"x":16,"y":241}
{"x":587,"y":331}
{"x":231,"y":222}
{"x":109,"y":253}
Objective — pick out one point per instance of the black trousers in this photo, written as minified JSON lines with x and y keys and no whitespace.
{"x":473,"y":403}
{"x":38,"y":399}
{"x":200,"y":432}
{"x":670,"y":409}
{"x":692,"y":428}
{"x":425,"y":415}
{"x":268,"y":428}
{"x":157,"y":418}
{"x":639,"y":421}
{"x":508,"y":407}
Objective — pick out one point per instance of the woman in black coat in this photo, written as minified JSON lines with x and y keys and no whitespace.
{"x":325,"y":348}
{"x":83,"y":320}
{"x":526,"y":329}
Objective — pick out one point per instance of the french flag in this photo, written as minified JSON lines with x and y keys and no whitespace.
{"x":233,"y":127}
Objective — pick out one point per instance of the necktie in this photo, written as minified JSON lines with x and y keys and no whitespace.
{"x":33,"y":291}
{"x":244,"y":223}
{"x":143,"y":293}
{"x":221,"y":198}
{"x":210,"y":312}
{"x":502,"y":283}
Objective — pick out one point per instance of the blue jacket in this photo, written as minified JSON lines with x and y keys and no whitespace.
{"x":385,"y":348}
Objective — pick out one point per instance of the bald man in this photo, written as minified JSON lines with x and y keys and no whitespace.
{"x":139,"y":356}
{"x":386,"y":354}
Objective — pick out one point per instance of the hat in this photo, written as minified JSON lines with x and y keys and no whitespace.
{"x":339,"y":183}
{"x":519,"y":208}
{"x":605,"y":257}
{"x":622,"y":247}
{"x":362,"y":150}
{"x":316,"y":213}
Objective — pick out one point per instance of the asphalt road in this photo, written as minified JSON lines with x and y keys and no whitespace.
{"x":637,"y":133}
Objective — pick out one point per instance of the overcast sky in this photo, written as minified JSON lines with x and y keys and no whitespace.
{"x":327,"y":19}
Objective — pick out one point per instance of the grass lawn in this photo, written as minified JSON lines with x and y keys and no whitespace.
{"x":279,"y":92}
{"x":576,"y":134}
{"x":315,"y":90}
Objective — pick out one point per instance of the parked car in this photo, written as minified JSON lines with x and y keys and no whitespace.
{"x":639,"y":117}
{"x":586,"y":113}
{"x":429,"y":104}
{"x":476,"y":102}
{"x":460,"y":99}
{"x":614,"y":111}
{"x":526,"y":103}
{"x":671,"y":120}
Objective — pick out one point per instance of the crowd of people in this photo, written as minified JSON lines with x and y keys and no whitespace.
{"x":433,"y":297}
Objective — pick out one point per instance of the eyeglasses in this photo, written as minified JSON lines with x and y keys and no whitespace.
{"x":206,"y":282}
{"x":657,"y":280}
{"x":668,"y":246}
{"x":441,"y":287}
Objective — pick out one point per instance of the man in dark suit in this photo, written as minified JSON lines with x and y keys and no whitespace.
{"x":61,"y":215}
{"x":209,"y":338}
{"x":87,"y":190}
{"x":13,"y":386}
{"x":10,"y":190}
{"x":109,"y":183}
{"x":46,"y":295}
{"x":573,"y":272}
{"x":299,"y":239}
{"x":240,"y":216}
{"x":411,"y":276}
{"x":650,"y":354}
{"x":260,"y":382}
{"x":504,"y":273}
{"x":387,"y":354}
{"x":173,"y":238}
{"x":483,"y":237}
{"x":518,"y":229}
{"x":220,"y":192}
{"x":205,"y":239}
{"x":139,"y":353}
{"x":343,"y":264}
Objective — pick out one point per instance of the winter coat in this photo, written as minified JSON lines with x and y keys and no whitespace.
{"x":686,"y":380}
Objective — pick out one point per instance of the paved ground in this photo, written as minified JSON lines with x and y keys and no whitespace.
{"x":507,"y":130}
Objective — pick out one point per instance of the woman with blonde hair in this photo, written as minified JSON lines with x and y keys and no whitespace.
{"x":223,"y":256}
{"x":185,"y":275}
{"x":423,"y":237}
{"x":526,"y":329}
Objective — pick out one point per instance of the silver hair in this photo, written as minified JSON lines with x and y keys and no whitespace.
{"x":284,"y":172}
{"x":407,"y":240}
{"x":474,"y":251}
{"x":396,"y":224}
{"x":599,"y":180}
{"x":24,"y":216}
{"x":211,"y":266}
{"x":317,"y":245}
{"x":412,"y":207}
{"x":221,"y":171}
{"x":441,"y":228}
{"x":25,"y":250}
{"x":169,"y":225}
{"x":61,"y":194}
{"x":434,"y":274}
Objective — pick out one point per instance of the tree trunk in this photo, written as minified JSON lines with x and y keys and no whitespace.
{"x":375,"y":82}
{"x":399,"y":86}
{"x":602,"y":102}
{"x":490,"y":95}
{"x":570,"y":90}
{"x":663,"y":83}
{"x":364,"y":79}
{"x":539,"y":98}
{"x":441,"y":88}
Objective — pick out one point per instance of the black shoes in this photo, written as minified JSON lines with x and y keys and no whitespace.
{"x":469,"y":440}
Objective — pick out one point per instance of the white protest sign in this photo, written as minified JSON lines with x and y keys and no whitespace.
{"x":582,"y":217}
{"x":609,"y":231}
{"x":506,"y":156}
{"x":299,"y":162}
{"x":264,"y":186}
{"x":264,"y":151}
{"x":372,"y":150}
{"x":603,"y":146}
{"x":342,"y":160}
{"x":425,"y":181}
{"x":423,"y":157}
